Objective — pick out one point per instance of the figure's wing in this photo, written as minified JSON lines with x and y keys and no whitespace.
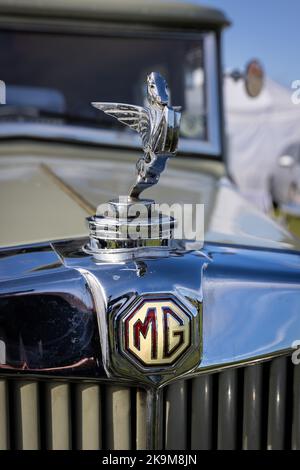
{"x":136,"y":117}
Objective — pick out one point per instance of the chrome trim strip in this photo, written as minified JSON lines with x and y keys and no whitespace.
{"x":100,"y":303}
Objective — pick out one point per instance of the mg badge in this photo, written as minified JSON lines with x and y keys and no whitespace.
{"x":156,"y":332}
{"x":155,"y":337}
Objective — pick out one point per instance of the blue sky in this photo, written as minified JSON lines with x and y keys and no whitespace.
{"x":265,"y":29}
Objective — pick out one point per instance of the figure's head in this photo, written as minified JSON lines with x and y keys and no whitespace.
{"x":157,"y":88}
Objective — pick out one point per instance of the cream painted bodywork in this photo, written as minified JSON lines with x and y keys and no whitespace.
{"x":47,"y":191}
{"x":34,"y":208}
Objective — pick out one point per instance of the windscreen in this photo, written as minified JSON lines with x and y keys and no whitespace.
{"x":60,"y":74}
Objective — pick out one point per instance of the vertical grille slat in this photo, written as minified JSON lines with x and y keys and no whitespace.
{"x":4,"y":422}
{"x":296,"y":410}
{"x":88,"y":417}
{"x":58,"y":416}
{"x":141,"y":428}
{"x":277,"y":404}
{"x":118,"y":418}
{"x":202,"y":413}
{"x":227,"y":410}
{"x":26,"y":415}
{"x":252,"y":407}
{"x":176,"y":416}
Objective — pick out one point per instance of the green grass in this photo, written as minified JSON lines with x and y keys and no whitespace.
{"x":291,"y":222}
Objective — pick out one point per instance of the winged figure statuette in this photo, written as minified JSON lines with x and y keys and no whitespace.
{"x":157,"y":124}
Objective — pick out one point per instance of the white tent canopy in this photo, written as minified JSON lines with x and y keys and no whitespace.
{"x":259,"y":131}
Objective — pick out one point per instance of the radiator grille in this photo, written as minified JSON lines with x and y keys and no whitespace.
{"x":254,"y":407}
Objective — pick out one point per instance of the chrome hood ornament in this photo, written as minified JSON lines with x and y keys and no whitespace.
{"x":112,"y":228}
{"x":158,"y":125}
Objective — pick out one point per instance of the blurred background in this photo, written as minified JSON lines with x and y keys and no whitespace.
{"x":263,"y":133}
{"x":267,"y":29}
{"x":52,"y":77}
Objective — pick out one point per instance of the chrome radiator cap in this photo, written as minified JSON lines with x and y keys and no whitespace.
{"x":126,"y":226}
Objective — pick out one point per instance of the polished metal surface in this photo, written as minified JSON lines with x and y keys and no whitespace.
{"x":249,"y":289}
{"x":129,"y":228}
{"x":158,"y":126}
{"x":46,"y":315}
{"x":62,"y":286}
{"x":137,"y":282}
{"x":213,"y":283}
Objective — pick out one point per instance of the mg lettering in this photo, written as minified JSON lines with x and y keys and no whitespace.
{"x":157,"y":332}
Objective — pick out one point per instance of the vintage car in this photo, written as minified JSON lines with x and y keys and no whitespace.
{"x":154,"y":343}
